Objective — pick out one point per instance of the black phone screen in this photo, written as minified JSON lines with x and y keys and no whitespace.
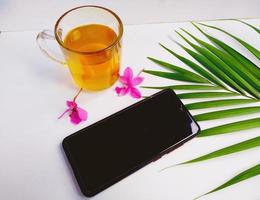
{"x":116,"y":146}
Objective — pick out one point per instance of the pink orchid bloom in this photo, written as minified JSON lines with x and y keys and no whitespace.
{"x":76,"y":113}
{"x":129,"y":82}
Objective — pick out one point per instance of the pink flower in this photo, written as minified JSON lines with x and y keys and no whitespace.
{"x":76,"y":113}
{"x":129,"y":82}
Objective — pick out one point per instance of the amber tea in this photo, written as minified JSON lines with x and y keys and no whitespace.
{"x":96,"y":66}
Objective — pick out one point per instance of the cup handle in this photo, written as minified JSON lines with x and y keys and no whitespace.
{"x":42,"y":40}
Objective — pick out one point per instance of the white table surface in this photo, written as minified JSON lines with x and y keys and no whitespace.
{"x":33,"y":93}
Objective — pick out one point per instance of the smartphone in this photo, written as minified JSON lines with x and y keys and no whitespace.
{"x":113,"y":148}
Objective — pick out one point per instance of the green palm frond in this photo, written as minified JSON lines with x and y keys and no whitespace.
{"x":248,"y":46}
{"x":195,"y":95}
{"x":229,"y":75}
{"x":250,"y":25}
{"x":196,"y":68}
{"x":249,"y":173}
{"x":209,"y":65}
{"x":191,"y":77}
{"x":243,"y":77}
{"x":243,"y":73}
{"x":241,"y":146}
{"x":227,"y":113}
{"x":218,"y":103}
{"x":185,"y":87}
{"x":232,"y":127}
{"x":244,"y":62}
{"x":175,"y":68}
{"x":221,"y":73}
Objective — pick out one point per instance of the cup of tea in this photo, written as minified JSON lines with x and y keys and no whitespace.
{"x":90,"y":40}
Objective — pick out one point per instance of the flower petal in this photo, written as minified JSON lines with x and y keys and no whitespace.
{"x":71,"y":104}
{"x":118,"y":90}
{"x":128,"y":73}
{"x":74,"y":117}
{"x":135,"y":93}
{"x":137,"y":80}
{"x":121,"y":91}
{"x":123,"y":80}
{"x":83,"y":114}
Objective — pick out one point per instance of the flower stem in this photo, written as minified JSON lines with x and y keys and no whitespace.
{"x":63,"y":113}
{"x":74,"y":99}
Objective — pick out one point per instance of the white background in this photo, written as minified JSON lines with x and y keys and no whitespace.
{"x":36,"y":14}
{"x":34,"y":90}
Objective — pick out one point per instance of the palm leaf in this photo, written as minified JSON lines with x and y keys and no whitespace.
{"x":177,"y":76}
{"x":177,"y":69}
{"x":249,"y":47}
{"x":195,"y":67}
{"x":219,"y":67}
{"x":244,"y":62}
{"x":249,"y":173}
{"x":232,"y":127}
{"x":239,"y":57}
{"x":242,"y":146}
{"x":185,"y":87}
{"x":213,"y":68}
{"x":238,"y":75}
{"x":244,"y":76}
{"x":218,"y":103}
{"x":195,"y":95}
{"x":227,"y":113}
{"x":250,"y":25}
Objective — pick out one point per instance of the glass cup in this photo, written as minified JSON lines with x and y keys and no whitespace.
{"x":90,"y":40}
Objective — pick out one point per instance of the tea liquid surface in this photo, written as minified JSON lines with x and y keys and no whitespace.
{"x":93,"y":66}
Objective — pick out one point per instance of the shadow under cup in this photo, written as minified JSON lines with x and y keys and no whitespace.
{"x":93,"y":63}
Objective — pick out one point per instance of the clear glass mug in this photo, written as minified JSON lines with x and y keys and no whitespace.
{"x":93,"y":65}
